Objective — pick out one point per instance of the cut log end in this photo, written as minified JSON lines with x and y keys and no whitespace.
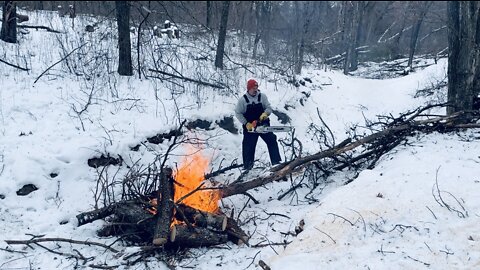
{"x":224,"y":223}
{"x":159,"y":241}
{"x":173,"y":232}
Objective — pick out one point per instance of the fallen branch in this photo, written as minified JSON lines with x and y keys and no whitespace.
{"x":65,"y":57}
{"x":187,"y":79}
{"x":15,"y":66}
{"x":39,"y":27}
{"x":39,"y":240}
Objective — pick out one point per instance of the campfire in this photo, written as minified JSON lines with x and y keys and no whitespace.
{"x":183,"y":212}
{"x":189,"y":177}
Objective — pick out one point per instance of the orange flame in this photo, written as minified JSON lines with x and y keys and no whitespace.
{"x":190,"y":174}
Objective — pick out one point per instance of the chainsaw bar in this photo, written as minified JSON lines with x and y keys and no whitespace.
{"x":266,"y":129}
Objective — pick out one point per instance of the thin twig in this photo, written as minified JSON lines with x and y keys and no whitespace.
{"x":65,"y":57}
{"x":271,"y":244}
{"x":335,"y":215}
{"x":251,"y":197}
{"x":326,"y":234}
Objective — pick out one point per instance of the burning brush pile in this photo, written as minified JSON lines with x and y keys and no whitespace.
{"x":174,"y":211}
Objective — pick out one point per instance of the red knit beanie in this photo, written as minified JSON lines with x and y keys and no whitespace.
{"x":251,"y":83}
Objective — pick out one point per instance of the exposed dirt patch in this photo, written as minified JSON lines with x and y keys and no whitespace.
{"x":282,"y":117}
{"x":26,"y":189}
{"x":104,"y":161}
{"x":228,"y":124}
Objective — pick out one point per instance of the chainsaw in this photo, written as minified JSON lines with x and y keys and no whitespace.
{"x":265,"y":129}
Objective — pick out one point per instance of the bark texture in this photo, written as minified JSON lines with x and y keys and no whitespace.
{"x":463,"y":20}
{"x":124,"y":44}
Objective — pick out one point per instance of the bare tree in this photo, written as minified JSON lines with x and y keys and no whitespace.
{"x":258,"y":28}
{"x":463,"y":35}
{"x":9,"y":22}
{"x":304,"y":12}
{"x":420,"y":10}
{"x":124,"y":44}
{"x":266,"y":10}
{"x":349,"y":15}
{"x":359,"y":13}
{"x":395,"y":51}
{"x":222,"y":35}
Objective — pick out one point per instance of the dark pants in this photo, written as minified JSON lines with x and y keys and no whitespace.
{"x":249,"y":144}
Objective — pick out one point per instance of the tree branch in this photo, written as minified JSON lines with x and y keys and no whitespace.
{"x":15,"y":66}
{"x":65,"y":57}
{"x":39,"y":240}
{"x":187,"y":79}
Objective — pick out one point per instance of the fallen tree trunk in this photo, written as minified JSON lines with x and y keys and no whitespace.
{"x":394,"y":132}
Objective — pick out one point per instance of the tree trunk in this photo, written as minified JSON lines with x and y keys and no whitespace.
{"x":266,"y":18}
{"x":349,"y":35}
{"x":9,"y":22}
{"x":462,"y":31}
{"x":254,"y":8}
{"x":306,"y":14}
{"x":416,"y":29}
{"x":359,"y":12}
{"x":370,"y":17}
{"x":124,"y":44}
{"x":476,"y":81}
{"x":395,"y":52}
{"x":209,"y":15}
{"x":222,"y":35}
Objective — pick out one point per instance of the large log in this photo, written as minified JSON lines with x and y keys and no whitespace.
{"x":201,"y":218}
{"x":131,"y":221}
{"x":90,"y":216}
{"x":184,"y":236}
{"x":165,"y":208}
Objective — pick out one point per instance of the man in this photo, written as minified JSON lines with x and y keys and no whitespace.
{"x":253,"y":109}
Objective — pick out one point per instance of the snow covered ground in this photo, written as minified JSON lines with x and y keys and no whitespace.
{"x":389,"y":217}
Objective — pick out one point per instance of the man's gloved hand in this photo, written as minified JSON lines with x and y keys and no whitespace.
{"x":249,"y":126}
{"x":263,"y":116}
